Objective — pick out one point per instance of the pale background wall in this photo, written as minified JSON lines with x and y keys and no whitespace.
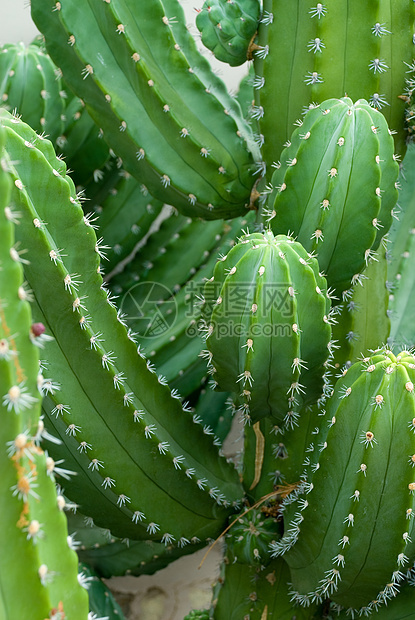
{"x":171,"y":593}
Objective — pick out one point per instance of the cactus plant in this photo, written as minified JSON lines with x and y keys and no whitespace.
{"x":267,"y":281}
{"x":290,"y":187}
{"x":110,"y":354}
{"x":329,"y":211}
{"x":347,"y":500}
{"x":34,"y":526}
{"x":306,"y":54}
{"x":31,"y":86}
{"x":227,"y":28}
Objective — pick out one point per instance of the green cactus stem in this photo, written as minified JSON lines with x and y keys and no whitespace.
{"x":124,"y":432}
{"x":30,"y":86}
{"x":249,"y":592}
{"x":42,"y":575}
{"x":170,"y":114}
{"x":81,"y":143}
{"x":268,"y":282}
{"x":339,"y":542}
{"x":363,"y":319}
{"x":102,"y":603}
{"x":110,"y":556}
{"x":227,"y":28}
{"x":307,"y":55}
{"x":320,"y":194}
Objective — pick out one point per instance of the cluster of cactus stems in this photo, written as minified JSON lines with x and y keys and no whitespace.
{"x":175,"y":260}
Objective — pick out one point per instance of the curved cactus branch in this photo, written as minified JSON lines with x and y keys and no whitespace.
{"x":360,"y":481}
{"x":124,"y":433}
{"x":169,"y":115}
{"x":34,"y":528}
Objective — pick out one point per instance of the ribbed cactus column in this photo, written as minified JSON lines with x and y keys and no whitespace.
{"x":312,"y":51}
{"x":336,"y":186}
{"x":38,"y":569}
{"x":353,"y":523}
{"x":267,"y":325}
{"x":30,"y":86}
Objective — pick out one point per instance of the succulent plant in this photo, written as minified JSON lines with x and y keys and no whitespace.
{"x":30,"y":83}
{"x":267,"y":326}
{"x":34,"y":526}
{"x":318,"y":197}
{"x":306,"y":55}
{"x":351,"y":493}
{"x":123,"y":152}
